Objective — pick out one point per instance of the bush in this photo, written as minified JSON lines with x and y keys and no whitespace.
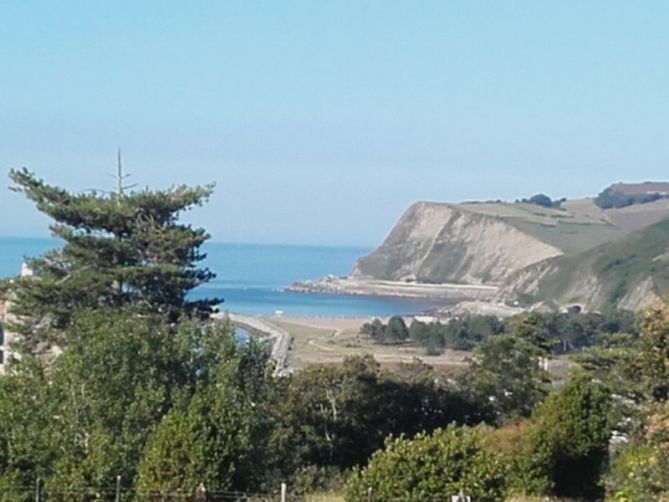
{"x":392,"y":333}
{"x":570,"y":438}
{"x":639,"y":473}
{"x":397,"y":330}
{"x":440,"y":465}
{"x":543,"y":200}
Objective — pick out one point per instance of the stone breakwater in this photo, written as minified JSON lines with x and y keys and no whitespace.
{"x":373,"y":287}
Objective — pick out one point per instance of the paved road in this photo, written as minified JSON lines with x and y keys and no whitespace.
{"x":279,"y":338}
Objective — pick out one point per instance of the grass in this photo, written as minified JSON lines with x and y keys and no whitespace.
{"x":571,"y":237}
{"x":619,"y":267}
{"x":319,"y":345}
{"x":314,"y":344}
{"x":324,"y":497}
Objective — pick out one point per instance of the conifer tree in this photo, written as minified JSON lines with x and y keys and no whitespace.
{"x":121,"y":250}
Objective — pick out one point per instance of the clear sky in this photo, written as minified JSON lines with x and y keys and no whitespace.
{"x":321,"y":121}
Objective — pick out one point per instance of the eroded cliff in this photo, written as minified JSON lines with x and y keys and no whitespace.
{"x":435,"y":242}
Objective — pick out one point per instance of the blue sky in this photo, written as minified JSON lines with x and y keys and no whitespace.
{"x":321,"y":121}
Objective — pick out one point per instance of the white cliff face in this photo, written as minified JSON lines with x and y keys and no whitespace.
{"x":443,"y":243}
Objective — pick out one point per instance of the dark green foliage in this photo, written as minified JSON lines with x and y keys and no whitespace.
{"x":434,"y":467}
{"x":375,"y":329}
{"x":543,"y":200}
{"x":427,"y":336}
{"x":338,"y":416}
{"x":557,"y":333}
{"x":119,"y":251}
{"x":610,"y":198}
{"x":220,"y":437}
{"x":617,"y":364}
{"x":87,"y":418}
{"x":505,"y":371}
{"x":562,"y":451}
{"x":396,"y":330}
{"x":570,"y":439}
{"x":458,"y":334}
{"x":532,"y":328}
{"x":25,"y":450}
{"x":393,"y":333}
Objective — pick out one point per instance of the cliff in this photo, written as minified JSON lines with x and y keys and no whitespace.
{"x":573,"y":252}
{"x":478,"y":243}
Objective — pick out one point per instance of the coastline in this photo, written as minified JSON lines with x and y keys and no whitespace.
{"x":374,"y":287}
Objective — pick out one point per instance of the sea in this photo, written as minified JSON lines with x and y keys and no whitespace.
{"x":251,"y":278}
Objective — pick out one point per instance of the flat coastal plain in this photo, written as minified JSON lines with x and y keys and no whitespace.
{"x":329,"y":340}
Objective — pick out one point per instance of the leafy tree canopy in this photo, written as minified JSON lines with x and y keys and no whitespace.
{"x":544,"y":200}
{"x":505,"y":371}
{"x":394,"y":332}
{"x":570,"y":437}
{"x":338,"y":416}
{"x":429,"y":467}
{"x":130,"y":396}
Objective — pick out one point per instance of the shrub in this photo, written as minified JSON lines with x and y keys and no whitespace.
{"x":639,"y":473}
{"x":440,"y":465}
{"x":570,"y":438}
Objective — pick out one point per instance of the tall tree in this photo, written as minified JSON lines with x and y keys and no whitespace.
{"x":654,"y":323}
{"x":124,"y":249}
{"x":505,"y":370}
{"x":570,"y":438}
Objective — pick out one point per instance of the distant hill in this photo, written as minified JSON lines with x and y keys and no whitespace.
{"x":483,"y":243}
{"x":516,"y":245}
{"x":628,"y":273}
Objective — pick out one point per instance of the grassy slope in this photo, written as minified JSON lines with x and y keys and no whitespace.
{"x":619,"y":267}
{"x":577,"y":227}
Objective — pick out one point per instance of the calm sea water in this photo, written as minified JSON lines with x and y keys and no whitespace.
{"x":251,"y":278}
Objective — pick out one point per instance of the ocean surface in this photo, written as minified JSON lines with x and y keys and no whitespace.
{"x":251,"y":278}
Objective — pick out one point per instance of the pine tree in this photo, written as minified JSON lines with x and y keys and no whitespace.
{"x":121,"y":250}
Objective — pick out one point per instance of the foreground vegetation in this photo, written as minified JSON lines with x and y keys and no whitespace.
{"x":151,"y":392}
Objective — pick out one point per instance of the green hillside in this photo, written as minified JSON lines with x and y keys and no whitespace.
{"x":613,"y":272}
{"x":572,"y":228}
